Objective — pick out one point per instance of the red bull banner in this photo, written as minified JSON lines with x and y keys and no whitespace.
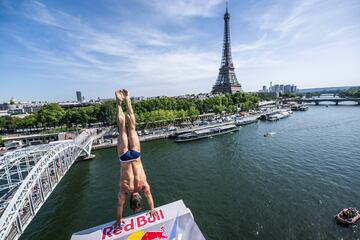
{"x":174,"y":221}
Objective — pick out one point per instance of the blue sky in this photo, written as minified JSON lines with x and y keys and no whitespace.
{"x":49,"y":49}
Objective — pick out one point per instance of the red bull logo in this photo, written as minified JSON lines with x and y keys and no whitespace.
{"x":134,"y":223}
{"x":141,"y":235}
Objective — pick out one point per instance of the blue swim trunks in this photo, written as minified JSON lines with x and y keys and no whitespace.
{"x":129,"y":156}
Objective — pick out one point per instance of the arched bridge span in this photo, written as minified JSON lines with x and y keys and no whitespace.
{"x":29,"y":175}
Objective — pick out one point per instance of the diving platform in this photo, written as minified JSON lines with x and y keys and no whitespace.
{"x":174,"y":221}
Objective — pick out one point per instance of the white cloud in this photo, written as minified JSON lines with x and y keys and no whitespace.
{"x":297,"y":17}
{"x":308,"y":43}
{"x":39,"y":12}
{"x":144,"y":57}
{"x":346,"y":30}
{"x":185,"y":8}
{"x":255,"y":45}
{"x":283,"y":17}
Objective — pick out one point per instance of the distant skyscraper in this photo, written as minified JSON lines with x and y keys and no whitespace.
{"x":287,"y":88}
{"x":78,"y":96}
{"x":276,"y":88}
{"x":226,"y":81}
{"x":282,"y":88}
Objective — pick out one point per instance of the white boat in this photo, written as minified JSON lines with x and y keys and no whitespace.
{"x":206,"y":133}
{"x":285,"y":113}
{"x":303,"y":108}
{"x":278,"y":116}
{"x":245,"y":121}
{"x":275,"y":117}
{"x":269,"y":134}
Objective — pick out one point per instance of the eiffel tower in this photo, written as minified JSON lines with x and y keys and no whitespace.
{"x":226,"y":81}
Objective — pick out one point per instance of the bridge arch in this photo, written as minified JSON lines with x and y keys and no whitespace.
{"x":28,"y":176}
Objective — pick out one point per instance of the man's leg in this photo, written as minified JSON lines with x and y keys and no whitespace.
{"x":122,"y":145}
{"x":133,"y":138}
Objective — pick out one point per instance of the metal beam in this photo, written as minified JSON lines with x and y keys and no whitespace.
{"x":22,"y":170}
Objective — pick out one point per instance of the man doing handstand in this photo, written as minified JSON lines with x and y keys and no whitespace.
{"x":133,"y":178}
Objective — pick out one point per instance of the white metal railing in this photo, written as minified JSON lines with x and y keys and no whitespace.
{"x":31,"y":176}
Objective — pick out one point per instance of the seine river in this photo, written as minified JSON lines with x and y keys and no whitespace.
{"x":238,"y":186}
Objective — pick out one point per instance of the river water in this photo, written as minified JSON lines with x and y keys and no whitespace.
{"x":238,"y":186}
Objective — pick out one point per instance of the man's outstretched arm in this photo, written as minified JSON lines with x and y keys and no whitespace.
{"x":150,"y":200}
{"x":120,"y":208}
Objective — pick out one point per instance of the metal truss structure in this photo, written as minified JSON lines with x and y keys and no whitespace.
{"x":29,"y":175}
{"x":227,"y":81}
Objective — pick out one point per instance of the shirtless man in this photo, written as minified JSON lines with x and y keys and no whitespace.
{"x":133,"y":178}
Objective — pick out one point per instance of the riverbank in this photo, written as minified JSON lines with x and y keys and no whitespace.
{"x":110,"y":143}
{"x":146,"y":138}
{"x":106,"y":137}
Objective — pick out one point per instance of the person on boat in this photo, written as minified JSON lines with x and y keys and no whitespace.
{"x":348,"y":213}
{"x":133,"y":178}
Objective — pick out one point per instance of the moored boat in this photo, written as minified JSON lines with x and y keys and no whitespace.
{"x":206,"y":133}
{"x":303,"y":108}
{"x":299,"y":107}
{"x":280,"y":115}
{"x":246,"y":121}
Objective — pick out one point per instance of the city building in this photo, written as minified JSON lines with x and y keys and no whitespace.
{"x":4,"y":106}
{"x":280,"y":88}
{"x":78,"y":96}
{"x":4,"y":113}
{"x":264,"y":89}
{"x":226,"y":81}
{"x":14,"y":107}
{"x":137,"y":99}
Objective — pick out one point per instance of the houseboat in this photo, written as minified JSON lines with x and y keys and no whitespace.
{"x":206,"y":133}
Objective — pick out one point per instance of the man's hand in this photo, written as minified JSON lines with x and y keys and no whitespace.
{"x":119,"y":223}
{"x":153,"y":213}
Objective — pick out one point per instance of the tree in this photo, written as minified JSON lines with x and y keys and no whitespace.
{"x":352,"y":92}
{"x":246,"y":106}
{"x":50,"y":115}
{"x":231,"y":108}
{"x":107,"y":112}
{"x":5,"y":122}
{"x":29,"y":121}
{"x":218,"y":109}
{"x":159,"y":110}
{"x":193,"y":113}
{"x":181,"y":114}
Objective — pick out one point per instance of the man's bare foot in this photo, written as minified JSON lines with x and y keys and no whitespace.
{"x":119,"y":96}
{"x":126,"y":94}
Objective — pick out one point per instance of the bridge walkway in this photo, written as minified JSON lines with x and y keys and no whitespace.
{"x":28,"y":176}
